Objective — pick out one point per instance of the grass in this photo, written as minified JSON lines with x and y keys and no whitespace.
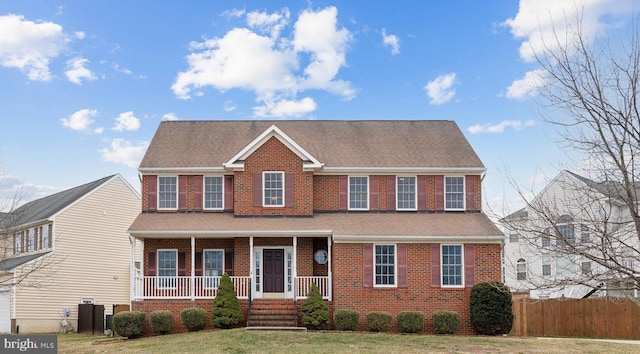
{"x":241,"y":341}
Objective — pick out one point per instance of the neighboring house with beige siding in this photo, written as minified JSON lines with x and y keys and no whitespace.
{"x":65,"y":249}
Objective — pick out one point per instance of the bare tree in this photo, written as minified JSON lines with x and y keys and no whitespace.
{"x":588,"y":228}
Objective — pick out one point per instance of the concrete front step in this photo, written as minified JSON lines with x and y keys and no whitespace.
{"x":273,"y":313}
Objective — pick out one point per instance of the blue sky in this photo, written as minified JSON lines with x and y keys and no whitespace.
{"x":84,"y":84}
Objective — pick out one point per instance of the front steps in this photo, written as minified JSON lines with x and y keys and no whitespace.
{"x":271,"y":314}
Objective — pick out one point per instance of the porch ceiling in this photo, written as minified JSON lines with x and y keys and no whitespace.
{"x":346,"y":226}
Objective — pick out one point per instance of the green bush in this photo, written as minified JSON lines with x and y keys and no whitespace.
{"x":314,"y":311}
{"x":161,"y":321}
{"x":379,"y":321}
{"x":193,"y":318}
{"x":445,"y":322}
{"x":490,"y":306}
{"x":346,"y":320}
{"x":226,"y":311}
{"x":129,"y":324}
{"x":411,"y":322}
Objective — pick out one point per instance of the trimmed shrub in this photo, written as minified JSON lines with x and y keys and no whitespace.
{"x":193,"y":318}
{"x":411,"y":321}
{"x":226,"y":311}
{"x":446,"y":322}
{"x":490,"y":305}
{"x":346,"y":320}
{"x":379,"y":321}
{"x":129,"y":324}
{"x":161,"y":321}
{"x":314,"y":311}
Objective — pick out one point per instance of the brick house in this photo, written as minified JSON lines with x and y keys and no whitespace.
{"x":381,"y":215}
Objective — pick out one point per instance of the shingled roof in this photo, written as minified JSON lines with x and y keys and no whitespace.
{"x":370,"y":143}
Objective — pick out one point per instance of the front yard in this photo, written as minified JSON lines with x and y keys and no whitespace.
{"x":241,"y":341}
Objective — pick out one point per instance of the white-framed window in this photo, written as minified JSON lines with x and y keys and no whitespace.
{"x":45,"y":233}
{"x":213,"y":192}
{"x":359,"y":193}
{"x":566,"y":231}
{"x":406,"y":193}
{"x":546,"y":238}
{"x":31,"y":240}
{"x":513,"y":236}
{"x":167,"y":268}
{"x":546,"y":270}
{"x":452,"y":266}
{"x":167,"y":192}
{"x":17,"y":242}
{"x":213,"y":267}
{"x":273,"y":189}
{"x":521,"y":269}
{"x":585,"y":235}
{"x":585,"y":267}
{"x":454,"y":193}
{"x":384,"y":263}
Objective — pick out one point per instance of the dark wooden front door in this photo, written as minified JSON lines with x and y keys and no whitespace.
{"x":273,"y":270}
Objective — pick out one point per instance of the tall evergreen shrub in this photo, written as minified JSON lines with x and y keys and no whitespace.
{"x":226,"y":312}
{"x":491,"y":308}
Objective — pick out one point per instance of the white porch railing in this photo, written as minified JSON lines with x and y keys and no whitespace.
{"x":303,"y":286}
{"x":158,"y":287}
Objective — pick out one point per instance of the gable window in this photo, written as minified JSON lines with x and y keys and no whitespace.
{"x":273,"y":189}
{"x":17,"y":242}
{"x":167,"y":192}
{"x":566,"y":231}
{"x":454,"y":193}
{"x":521,"y":269}
{"x":513,"y":236}
{"x":213,"y":267}
{"x":359,"y":193}
{"x":45,"y":236}
{"x":31,"y":240}
{"x":213,"y":192}
{"x":452,"y":265}
{"x":406,"y":193}
{"x":167,"y":268}
{"x":385,"y":265}
{"x":586,"y":267}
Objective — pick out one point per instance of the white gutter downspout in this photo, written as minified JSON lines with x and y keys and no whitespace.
{"x":330,"y":273}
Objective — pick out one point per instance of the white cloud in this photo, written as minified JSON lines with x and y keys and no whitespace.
{"x":76,"y":71}
{"x":229,"y":14}
{"x":80,"y":120}
{"x":286,"y":108}
{"x":539,"y":21}
{"x":126,"y":71}
{"x":124,"y":152}
{"x":229,"y":62}
{"x":500,"y":127}
{"x":527,"y":86}
{"x":170,"y":116}
{"x":29,"y":46}
{"x":229,"y":106}
{"x":80,"y":35}
{"x":441,"y":90}
{"x":127,"y":121}
{"x":392,"y":41}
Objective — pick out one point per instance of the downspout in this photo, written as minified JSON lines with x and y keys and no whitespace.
{"x":329,"y":272}
{"x":14,"y":292}
{"x":294,"y":269}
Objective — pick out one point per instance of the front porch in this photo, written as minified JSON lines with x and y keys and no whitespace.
{"x":259,"y":267}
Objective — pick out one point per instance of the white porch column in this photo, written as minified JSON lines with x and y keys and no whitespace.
{"x":192,"y":287}
{"x":251,"y":268}
{"x":294,"y":268}
{"x":132,"y":270}
{"x":329,"y":273}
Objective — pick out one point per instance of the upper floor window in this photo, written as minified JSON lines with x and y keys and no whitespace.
{"x":452,"y":265}
{"x":566,"y":231}
{"x":213,"y":192}
{"x":359,"y":193}
{"x":521,"y":269}
{"x":17,"y":242}
{"x":513,"y":236}
{"x":454,"y":193}
{"x":31,"y":240}
{"x":167,"y":267}
{"x":546,"y":269}
{"x":273,"y":189}
{"x":406,"y":193}
{"x":585,"y":237}
{"x":45,"y":236}
{"x":546,"y":238}
{"x":167,"y":192}
{"x":385,"y":265}
{"x":586,"y":267}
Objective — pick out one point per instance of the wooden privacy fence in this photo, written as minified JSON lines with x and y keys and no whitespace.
{"x":590,"y":318}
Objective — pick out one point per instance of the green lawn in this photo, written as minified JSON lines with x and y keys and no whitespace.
{"x":241,"y":341}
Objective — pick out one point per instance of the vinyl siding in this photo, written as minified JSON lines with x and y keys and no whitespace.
{"x":91,"y":258}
